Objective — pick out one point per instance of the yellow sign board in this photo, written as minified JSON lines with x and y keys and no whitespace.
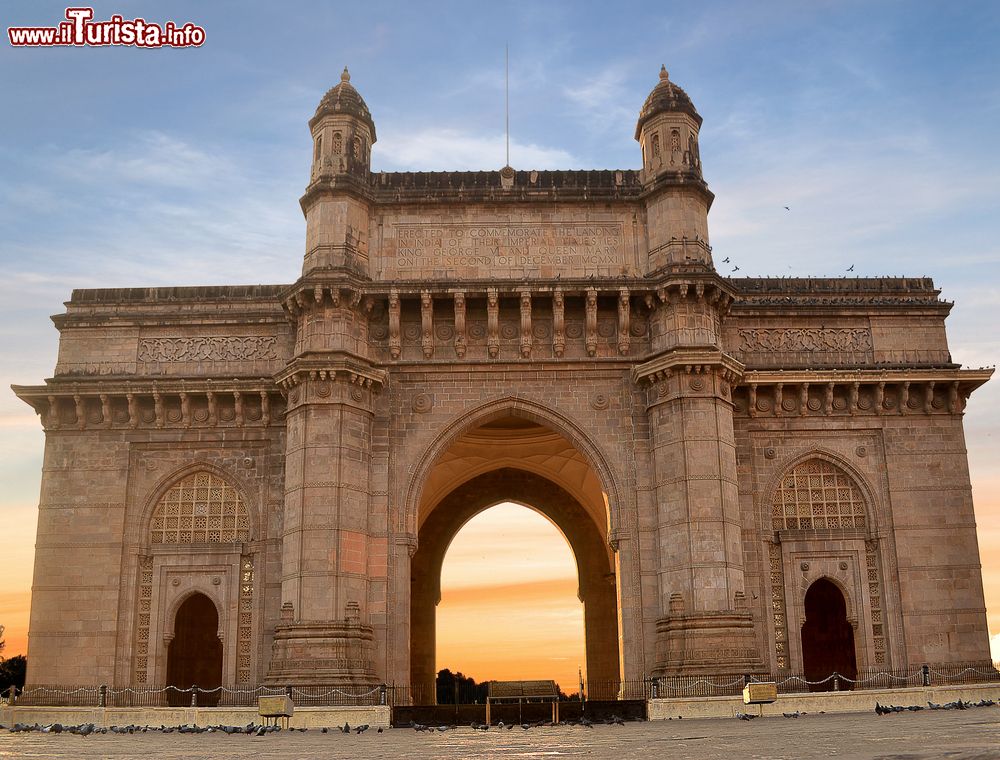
{"x":760,"y":693}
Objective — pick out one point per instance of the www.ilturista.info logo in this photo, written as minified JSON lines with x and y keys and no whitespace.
{"x":80,"y":30}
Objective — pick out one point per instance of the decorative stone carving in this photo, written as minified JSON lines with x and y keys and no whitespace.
{"x":778,"y":606}
{"x":395,"y":344}
{"x":600,"y":401}
{"x":591,"y":317}
{"x":423,"y":403}
{"x":460,"y":339}
{"x":817,"y":495}
{"x":493,"y":322}
{"x":427,"y":324}
{"x":793,"y":339}
{"x":525,"y":324}
{"x":227,"y":348}
{"x":558,"y":324}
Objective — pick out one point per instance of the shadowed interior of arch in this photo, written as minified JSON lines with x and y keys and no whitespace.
{"x":827,"y":636}
{"x":194,"y":656}
{"x":509,"y":608}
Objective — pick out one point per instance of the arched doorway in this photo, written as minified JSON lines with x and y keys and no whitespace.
{"x":194,"y":656}
{"x":827,"y":636}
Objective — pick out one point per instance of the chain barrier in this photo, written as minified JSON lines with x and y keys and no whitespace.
{"x":660,"y":686}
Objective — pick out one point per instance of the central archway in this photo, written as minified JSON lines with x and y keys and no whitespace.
{"x":597,"y":588}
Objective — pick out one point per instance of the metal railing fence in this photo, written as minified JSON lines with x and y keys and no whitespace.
{"x":594,"y":690}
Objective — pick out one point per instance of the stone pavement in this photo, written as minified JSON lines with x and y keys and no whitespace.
{"x":959,"y":735}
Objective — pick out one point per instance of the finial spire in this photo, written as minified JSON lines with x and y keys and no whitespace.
{"x":345,"y":76}
{"x":506,"y":97}
{"x":663,"y":71}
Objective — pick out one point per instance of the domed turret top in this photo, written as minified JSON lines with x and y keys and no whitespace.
{"x":344,"y":99}
{"x":665,"y":97}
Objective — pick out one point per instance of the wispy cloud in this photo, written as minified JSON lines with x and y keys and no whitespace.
{"x":603,"y":99}
{"x":457,"y":150}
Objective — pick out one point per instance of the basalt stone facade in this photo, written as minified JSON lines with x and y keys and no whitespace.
{"x":731,"y":459}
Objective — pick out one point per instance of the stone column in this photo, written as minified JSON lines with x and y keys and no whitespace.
{"x":332,"y":546}
{"x":705,"y":626}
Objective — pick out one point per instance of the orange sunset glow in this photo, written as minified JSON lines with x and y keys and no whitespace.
{"x":508,"y":607}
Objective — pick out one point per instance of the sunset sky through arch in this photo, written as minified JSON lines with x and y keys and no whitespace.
{"x":509,"y":608}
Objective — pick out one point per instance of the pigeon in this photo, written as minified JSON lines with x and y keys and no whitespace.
{"x":850,"y":268}
{"x":346,"y":729}
{"x":792,"y":714}
{"x":442,"y":729}
{"x":323,"y":730}
{"x":881,"y":710}
{"x":745,"y":716}
{"x":725,"y":260}
{"x":736,"y":269}
{"x":380,"y":729}
{"x":361,"y":729}
{"x":787,"y":209}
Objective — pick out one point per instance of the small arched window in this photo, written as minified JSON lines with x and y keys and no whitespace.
{"x":357,"y":149}
{"x":319,"y":148}
{"x":817,"y":495}
{"x":201,"y":508}
{"x":656,"y":145}
{"x":338,"y":143}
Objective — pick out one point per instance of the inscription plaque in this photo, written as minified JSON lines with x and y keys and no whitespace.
{"x":503,"y":248}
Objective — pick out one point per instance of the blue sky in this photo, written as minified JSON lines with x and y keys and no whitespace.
{"x":877,"y":123}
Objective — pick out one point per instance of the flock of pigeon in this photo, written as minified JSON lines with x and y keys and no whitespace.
{"x":251,"y":729}
{"x":958,"y":704}
{"x":614,"y":720}
{"x":255,"y":729}
{"x":881,"y":709}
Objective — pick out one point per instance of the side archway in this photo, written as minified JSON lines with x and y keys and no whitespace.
{"x":194,"y":654}
{"x":828,"y":644}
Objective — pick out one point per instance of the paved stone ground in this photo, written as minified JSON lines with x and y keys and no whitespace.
{"x":958,"y":735}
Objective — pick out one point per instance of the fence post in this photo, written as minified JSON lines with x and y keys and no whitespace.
{"x":194,"y":695}
{"x":102,"y":696}
{"x":12,"y":695}
{"x":926,"y":673}
{"x":836,"y":681}
{"x":382,"y":694}
{"x":288,"y":691}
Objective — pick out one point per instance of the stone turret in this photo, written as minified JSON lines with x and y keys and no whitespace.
{"x":343,"y":132}
{"x":336,"y":201}
{"x":677,"y":197}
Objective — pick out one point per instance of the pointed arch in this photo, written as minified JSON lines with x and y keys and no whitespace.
{"x":236,"y":492}
{"x":512,"y":406}
{"x":201,"y":507}
{"x":843,"y":493}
